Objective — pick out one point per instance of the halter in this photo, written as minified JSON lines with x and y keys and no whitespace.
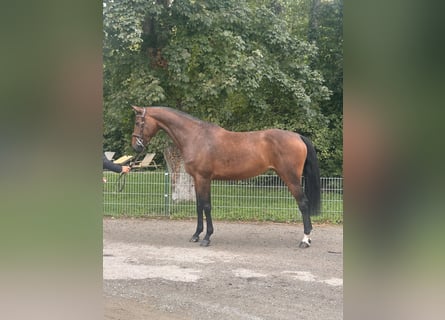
{"x":139,"y":137}
{"x":139,"y":141}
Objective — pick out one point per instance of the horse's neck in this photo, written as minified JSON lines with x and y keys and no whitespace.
{"x":179,"y":128}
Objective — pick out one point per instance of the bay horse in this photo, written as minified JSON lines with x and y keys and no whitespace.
{"x":213,"y":153}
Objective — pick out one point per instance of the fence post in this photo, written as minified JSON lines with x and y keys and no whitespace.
{"x":166,"y":191}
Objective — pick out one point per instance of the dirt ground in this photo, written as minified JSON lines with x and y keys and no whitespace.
{"x":250,"y":271}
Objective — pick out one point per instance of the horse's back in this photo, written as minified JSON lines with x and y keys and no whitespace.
{"x":240,"y":155}
{"x":285,"y":146}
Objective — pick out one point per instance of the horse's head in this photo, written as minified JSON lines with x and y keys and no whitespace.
{"x":145,"y":128}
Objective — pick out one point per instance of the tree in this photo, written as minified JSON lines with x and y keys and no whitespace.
{"x":326,"y":32}
{"x":240,"y":64}
{"x":182,"y":184}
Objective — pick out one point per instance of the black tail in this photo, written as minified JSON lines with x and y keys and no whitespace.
{"x":311,"y":173}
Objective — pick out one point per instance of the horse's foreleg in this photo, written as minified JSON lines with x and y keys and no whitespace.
{"x":207,"y":210}
{"x":199,"y":212}
{"x":202,"y":188}
{"x":200,"y":225}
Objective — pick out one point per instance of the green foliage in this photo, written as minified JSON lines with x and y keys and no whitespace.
{"x":245,"y":65}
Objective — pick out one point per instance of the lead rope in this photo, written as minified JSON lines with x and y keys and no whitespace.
{"x":123,"y":175}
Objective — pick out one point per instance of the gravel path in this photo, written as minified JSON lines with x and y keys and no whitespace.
{"x":250,"y":271}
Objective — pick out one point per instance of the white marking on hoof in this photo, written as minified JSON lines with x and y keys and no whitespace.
{"x":306,"y":240}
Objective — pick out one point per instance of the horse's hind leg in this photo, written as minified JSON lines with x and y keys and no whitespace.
{"x":303,"y":205}
{"x":295,"y":188}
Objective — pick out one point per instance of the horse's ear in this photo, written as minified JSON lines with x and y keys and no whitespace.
{"x":137,"y":109}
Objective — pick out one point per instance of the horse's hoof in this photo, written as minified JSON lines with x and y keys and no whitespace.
{"x":205,"y":243}
{"x":304,"y":244}
{"x":194,"y":239}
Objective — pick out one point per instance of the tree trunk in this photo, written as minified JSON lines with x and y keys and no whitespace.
{"x":314,"y":20}
{"x":181,"y":182}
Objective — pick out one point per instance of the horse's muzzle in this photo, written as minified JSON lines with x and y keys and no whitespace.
{"x":138,"y":145}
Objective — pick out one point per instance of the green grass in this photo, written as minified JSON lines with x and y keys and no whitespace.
{"x":144,"y":195}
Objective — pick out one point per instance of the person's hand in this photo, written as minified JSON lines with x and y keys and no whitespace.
{"x":125,"y":169}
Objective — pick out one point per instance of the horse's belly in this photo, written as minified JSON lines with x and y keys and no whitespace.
{"x":238,"y":173}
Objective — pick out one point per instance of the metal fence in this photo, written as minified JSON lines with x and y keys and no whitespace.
{"x":263,"y":198}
